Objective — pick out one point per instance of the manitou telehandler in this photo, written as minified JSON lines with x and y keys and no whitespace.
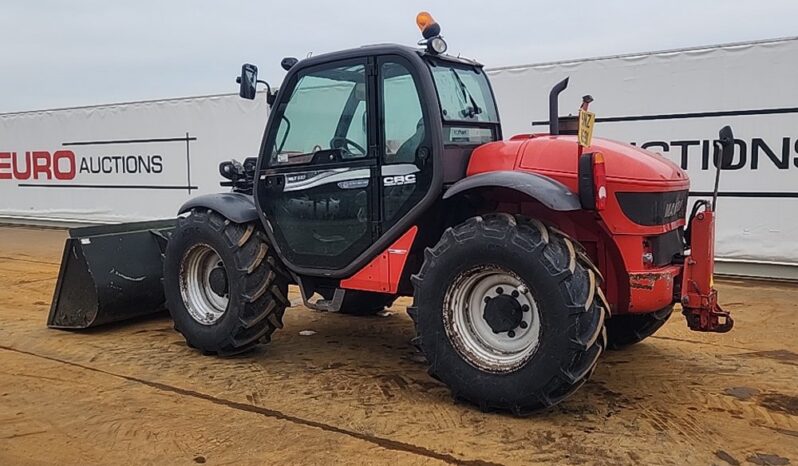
{"x":383,"y":173}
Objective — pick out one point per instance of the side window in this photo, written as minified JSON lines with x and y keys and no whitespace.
{"x":326,"y":112}
{"x":404,"y":123}
{"x":358,"y":127}
{"x":407,"y":161}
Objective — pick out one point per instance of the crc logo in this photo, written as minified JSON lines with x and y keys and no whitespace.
{"x":398,"y":180}
{"x":38,"y":165}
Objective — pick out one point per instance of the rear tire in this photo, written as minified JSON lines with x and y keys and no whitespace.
{"x":365,"y":303}
{"x":627,"y":329}
{"x":517,"y":264}
{"x":224,"y":288}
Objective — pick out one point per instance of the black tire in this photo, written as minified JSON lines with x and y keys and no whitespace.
{"x":365,"y":303}
{"x":569,"y":304}
{"x":257,"y":293}
{"x":628,"y":329}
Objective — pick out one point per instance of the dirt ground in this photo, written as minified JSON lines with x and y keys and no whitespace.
{"x":356,"y":392}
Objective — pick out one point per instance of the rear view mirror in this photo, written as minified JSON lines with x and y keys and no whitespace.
{"x":724,"y":145}
{"x":726,"y":140}
{"x":248,"y":81}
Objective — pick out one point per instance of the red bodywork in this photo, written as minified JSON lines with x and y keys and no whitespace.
{"x":614,"y":242}
{"x":383,"y":273}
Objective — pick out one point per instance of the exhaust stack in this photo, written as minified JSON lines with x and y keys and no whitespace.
{"x":554,"y":110}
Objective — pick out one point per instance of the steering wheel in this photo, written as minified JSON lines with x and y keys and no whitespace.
{"x":343,"y":143}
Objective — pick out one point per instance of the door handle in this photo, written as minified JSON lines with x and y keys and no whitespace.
{"x":275,"y":183}
{"x":422,"y":154}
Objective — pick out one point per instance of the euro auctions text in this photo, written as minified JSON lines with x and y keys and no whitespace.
{"x":65,"y":165}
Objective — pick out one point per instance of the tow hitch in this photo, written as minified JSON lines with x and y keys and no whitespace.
{"x":706,"y":315}
{"x":699,"y":296}
{"x":708,"y":318}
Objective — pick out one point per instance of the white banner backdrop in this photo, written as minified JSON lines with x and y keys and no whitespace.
{"x":675,"y":103}
{"x":123,"y":162}
{"x":142,"y":160}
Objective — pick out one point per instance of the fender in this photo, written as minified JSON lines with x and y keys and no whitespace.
{"x":549,"y":192}
{"x":236,"y":207}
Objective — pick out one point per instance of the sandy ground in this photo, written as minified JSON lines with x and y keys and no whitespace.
{"x":355,"y":392}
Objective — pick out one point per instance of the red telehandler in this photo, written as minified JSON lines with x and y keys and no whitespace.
{"x":383,"y":172}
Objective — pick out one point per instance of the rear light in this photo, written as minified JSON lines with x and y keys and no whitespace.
{"x":600,"y":181}
{"x":592,"y":181}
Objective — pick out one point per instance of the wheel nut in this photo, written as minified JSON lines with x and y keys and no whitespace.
{"x":499,"y":290}
{"x":514,"y":293}
{"x":523,"y":324}
{"x":525,"y":308}
{"x":511,"y":334}
{"x":487,"y":299}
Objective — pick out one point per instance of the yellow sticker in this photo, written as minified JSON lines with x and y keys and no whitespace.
{"x":586,"y":123}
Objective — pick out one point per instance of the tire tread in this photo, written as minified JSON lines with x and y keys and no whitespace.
{"x":579,"y":280}
{"x":263,"y":299}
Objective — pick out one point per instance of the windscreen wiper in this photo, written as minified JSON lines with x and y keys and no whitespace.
{"x":474,"y":109}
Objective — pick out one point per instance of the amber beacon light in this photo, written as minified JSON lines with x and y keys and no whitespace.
{"x":431,"y":33}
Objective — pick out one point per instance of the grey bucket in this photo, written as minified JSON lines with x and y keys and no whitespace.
{"x":109,"y":274}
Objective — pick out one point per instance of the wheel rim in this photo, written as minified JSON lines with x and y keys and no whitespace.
{"x":203,"y":284}
{"x":492,"y":318}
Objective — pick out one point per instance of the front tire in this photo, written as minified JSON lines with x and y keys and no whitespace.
{"x":508,"y":315}
{"x":224,"y":288}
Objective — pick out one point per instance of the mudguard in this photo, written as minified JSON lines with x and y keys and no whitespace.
{"x":237,"y":207}
{"x":549,"y":192}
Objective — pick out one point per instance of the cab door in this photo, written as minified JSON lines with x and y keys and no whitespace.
{"x":406,"y":147}
{"x":347,"y":164}
{"x":319,"y":186}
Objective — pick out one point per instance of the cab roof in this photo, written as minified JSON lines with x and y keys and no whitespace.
{"x":381,"y":49}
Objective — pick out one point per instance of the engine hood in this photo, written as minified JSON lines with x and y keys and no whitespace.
{"x":558,"y":155}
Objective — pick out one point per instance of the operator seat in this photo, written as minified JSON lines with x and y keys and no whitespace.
{"x":407,"y":151}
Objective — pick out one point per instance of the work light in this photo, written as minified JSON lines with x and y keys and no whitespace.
{"x":437,"y":45}
{"x":431,"y":33}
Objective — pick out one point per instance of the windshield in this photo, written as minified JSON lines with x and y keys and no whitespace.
{"x":464,"y":92}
